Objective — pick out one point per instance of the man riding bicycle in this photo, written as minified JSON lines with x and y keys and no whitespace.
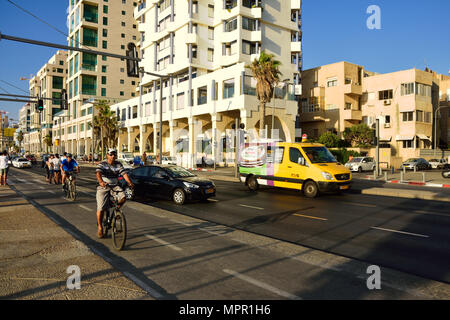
{"x":107,"y":173}
{"x":68,"y":165}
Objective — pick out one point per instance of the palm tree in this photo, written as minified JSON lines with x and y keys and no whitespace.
{"x":105,"y":126}
{"x":267,"y":74}
{"x":48,"y":141}
{"x":20,"y":139}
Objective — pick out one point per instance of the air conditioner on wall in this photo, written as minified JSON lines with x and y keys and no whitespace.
{"x":387,"y":102}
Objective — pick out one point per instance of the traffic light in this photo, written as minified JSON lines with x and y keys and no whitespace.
{"x":63,"y":102}
{"x":374,"y":137}
{"x":40,"y":105}
{"x":132,"y":65}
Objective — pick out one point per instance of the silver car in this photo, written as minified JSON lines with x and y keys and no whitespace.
{"x":417,"y":163}
{"x":361,"y":164}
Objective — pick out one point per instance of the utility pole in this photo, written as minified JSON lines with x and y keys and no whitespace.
{"x":377,"y":128}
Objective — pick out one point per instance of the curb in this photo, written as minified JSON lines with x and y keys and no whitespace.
{"x":414,"y":183}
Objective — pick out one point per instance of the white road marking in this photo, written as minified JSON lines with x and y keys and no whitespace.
{"x":213,"y":200}
{"x":251,"y":207}
{"x":310,"y":217}
{"x":51,"y":191}
{"x":85,"y":208}
{"x":171,"y":246}
{"x":431,"y":213}
{"x":402,"y":232}
{"x":262,"y":285}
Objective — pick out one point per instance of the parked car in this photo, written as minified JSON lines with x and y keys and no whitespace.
{"x":418,"y":163}
{"x":32,"y":158}
{"x":167,"y":182}
{"x":21,"y":163}
{"x":438,"y":164}
{"x":169,"y":160}
{"x":127,"y":156}
{"x":361,"y":164}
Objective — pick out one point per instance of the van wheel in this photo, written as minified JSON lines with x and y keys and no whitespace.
{"x":252,"y":184}
{"x":310,"y":189}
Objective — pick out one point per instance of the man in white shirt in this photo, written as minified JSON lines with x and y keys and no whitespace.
{"x":3,"y":168}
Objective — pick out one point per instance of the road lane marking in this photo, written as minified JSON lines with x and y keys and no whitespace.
{"x":431,"y":213}
{"x":171,"y":246}
{"x":51,"y":191}
{"x":402,"y":232}
{"x":251,"y":207}
{"x":262,"y":285}
{"x":361,"y":204}
{"x":85,"y":208}
{"x":311,"y":217}
{"x":213,"y":200}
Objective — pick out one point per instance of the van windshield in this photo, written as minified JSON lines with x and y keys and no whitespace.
{"x":319,"y":155}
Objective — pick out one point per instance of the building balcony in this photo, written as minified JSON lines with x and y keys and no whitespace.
{"x":316,"y":116}
{"x":192,"y":38}
{"x":296,"y":4}
{"x":351,"y":114}
{"x":353,"y":89}
{"x":296,"y":46}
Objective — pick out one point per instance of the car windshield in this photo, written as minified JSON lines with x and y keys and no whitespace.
{"x":356,"y":160}
{"x":319,"y":155}
{"x":179,"y":172}
{"x":412,"y":160}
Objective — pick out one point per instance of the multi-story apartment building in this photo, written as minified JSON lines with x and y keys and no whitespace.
{"x":205,"y":46}
{"x":339,"y":95}
{"x":100,"y":26}
{"x":48,"y":84}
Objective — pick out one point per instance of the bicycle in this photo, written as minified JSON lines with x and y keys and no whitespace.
{"x":70,"y":189}
{"x":115,"y":221}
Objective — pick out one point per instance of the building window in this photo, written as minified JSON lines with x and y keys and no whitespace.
{"x":103,"y":80}
{"x":210,"y":11}
{"x":248,"y":47}
{"x":231,"y":25}
{"x":105,"y":21}
{"x":210,"y":33}
{"x":210,"y":55}
{"x":407,"y":144}
{"x":104,"y":44}
{"x":105,"y":9}
{"x":249,"y":24}
{"x":384,"y":95}
{"x":332,"y":82}
{"x":228,"y":89}
{"x":407,"y":89}
{"x":423,"y":90}
{"x":419,"y":116}
{"x":407,"y":116}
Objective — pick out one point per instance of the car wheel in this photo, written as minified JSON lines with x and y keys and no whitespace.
{"x":359,"y":169}
{"x":252,"y":183}
{"x":129,"y":193}
{"x":179,"y":197}
{"x":310,"y":189}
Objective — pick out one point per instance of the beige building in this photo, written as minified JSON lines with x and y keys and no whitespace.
{"x":205,"y":46}
{"x":339,"y":95}
{"x":48,"y":84}
{"x":101,"y":26}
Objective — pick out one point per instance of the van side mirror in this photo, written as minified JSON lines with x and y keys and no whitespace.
{"x":301,"y":161}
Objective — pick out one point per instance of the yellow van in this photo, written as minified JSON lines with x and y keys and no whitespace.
{"x":305,"y":166}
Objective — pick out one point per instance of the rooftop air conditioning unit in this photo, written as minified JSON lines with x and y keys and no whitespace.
{"x":387,"y":102}
{"x":387,"y":125}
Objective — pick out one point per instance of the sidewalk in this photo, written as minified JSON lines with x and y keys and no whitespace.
{"x":420,"y":178}
{"x":36,"y":254}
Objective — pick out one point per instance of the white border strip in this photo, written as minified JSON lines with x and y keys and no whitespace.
{"x":402,"y":232}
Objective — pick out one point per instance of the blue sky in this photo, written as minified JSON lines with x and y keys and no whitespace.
{"x":413,"y":32}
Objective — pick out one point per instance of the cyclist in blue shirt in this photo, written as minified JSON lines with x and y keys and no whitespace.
{"x":68,"y":165}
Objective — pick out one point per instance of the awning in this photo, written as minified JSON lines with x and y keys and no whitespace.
{"x":408,"y":108}
{"x":386,"y":139}
{"x":403,"y":138}
{"x":423,"y":137}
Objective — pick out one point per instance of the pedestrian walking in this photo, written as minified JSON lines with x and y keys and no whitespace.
{"x":50,"y":168}
{"x":57,"y":169}
{"x":3,"y":168}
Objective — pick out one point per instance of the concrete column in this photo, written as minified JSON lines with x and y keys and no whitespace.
{"x":155,"y":138}
{"x":214,"y":137}
{"x":171,"y":140}
{"x":142,"y":131}
{"x":192,"y":156}
{"x":130,"y":141}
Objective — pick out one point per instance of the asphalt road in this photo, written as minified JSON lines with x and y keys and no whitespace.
{"x":402,"y":234}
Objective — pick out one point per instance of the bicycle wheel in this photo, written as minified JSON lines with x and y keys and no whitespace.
{"x":73,"y":191}
{"x":105,"y":225}
{"x":119,"y":230}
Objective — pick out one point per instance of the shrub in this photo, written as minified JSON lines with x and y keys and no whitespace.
{"x":343,"y":154}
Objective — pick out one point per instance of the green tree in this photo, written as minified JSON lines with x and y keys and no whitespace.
{"x":48,"y":141}
{"x":329,"y":139}
{"x":359,"y":135}
{"x":20,"y":139}
{"x":267,"y":74}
